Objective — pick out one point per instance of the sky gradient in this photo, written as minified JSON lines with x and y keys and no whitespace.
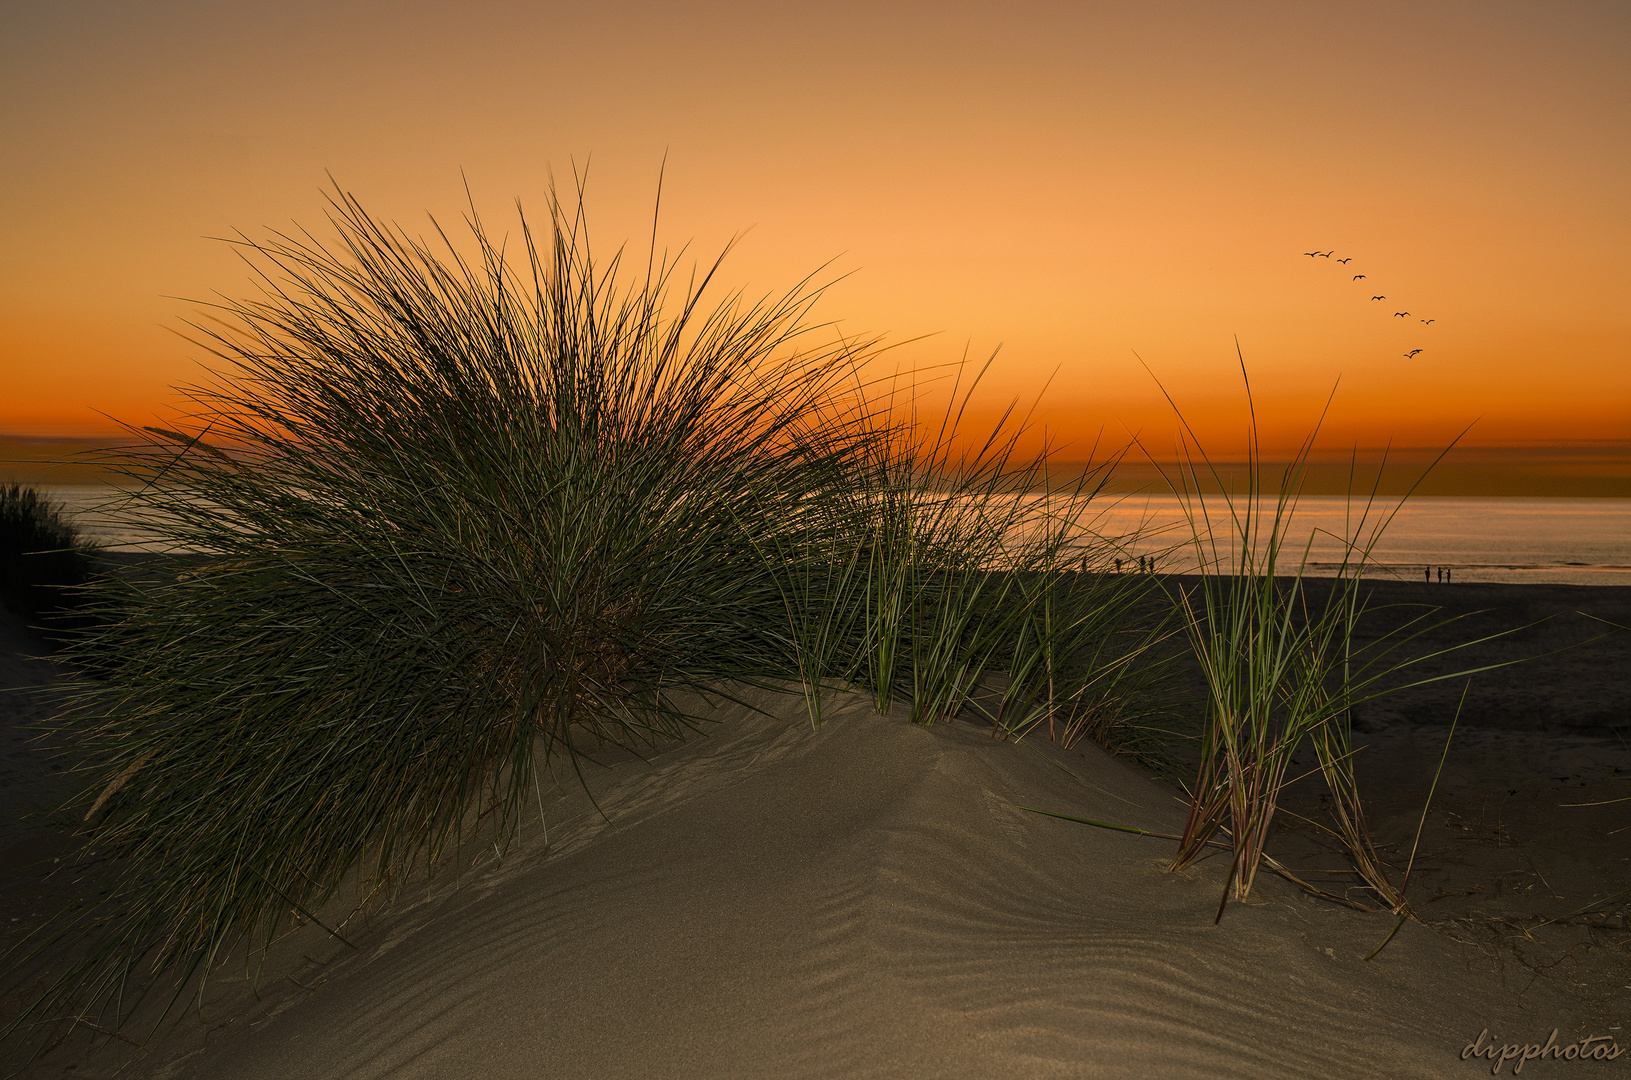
{"x":1111,"y":197}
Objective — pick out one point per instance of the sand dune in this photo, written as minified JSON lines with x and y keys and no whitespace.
{"x":766,"y":900}
{"x":862,"y":901}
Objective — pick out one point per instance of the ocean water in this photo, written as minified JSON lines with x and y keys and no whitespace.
{"x":1570,"y":541}
{"x":1515,"y":540}
{"x":88,"y":508}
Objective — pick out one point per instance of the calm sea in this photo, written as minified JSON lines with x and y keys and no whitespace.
{"x":1574,"y":541}
{"x":1568,"y":541}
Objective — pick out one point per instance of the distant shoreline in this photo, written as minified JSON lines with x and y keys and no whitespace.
{"x":1581,"y":469}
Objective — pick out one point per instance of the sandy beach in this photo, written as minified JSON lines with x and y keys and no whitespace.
{"x":868,"y":899}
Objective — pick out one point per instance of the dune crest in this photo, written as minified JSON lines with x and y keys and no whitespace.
{"x":863,"y":900}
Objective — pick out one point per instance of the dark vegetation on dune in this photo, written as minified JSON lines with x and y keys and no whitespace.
{"x":467,"y":510}
{"x":44,"y":564}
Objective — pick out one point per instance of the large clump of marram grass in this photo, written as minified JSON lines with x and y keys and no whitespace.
{"x":454,"y":514}
{"x":450,"y":518}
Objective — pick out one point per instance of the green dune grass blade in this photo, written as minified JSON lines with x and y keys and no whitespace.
{"x":1096,"y":824}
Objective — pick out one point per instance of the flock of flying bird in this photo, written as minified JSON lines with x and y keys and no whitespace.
{"x":1411,"y":355}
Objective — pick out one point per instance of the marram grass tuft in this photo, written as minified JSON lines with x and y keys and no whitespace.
{"x":449,"y":519}
{"x":456,"y":517}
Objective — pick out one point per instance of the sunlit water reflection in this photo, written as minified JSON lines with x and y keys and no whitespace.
{"x":1575,"y":541}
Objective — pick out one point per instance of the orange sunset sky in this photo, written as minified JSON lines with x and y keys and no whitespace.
{"x":1075,"y":182}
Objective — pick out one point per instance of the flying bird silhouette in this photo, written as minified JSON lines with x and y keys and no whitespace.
{"x":1411,"y":355}
{"x":1400,"y":314}
{"x":1429,"y":322}
{"x":1311,"y":254}
{"x":1328,"y":254}
{"x":1378,"y":298}
{"x":1359,"y":277}
{"x":1346,"y":261}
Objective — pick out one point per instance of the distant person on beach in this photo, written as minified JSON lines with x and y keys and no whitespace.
{"x":1118,"y":566}
{"x":1427,"y":573}
{"x":1441,"y":575}
{"x":1446,"y":573}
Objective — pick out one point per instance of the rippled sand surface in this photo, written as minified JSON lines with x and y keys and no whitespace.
{"x":863,"y":900}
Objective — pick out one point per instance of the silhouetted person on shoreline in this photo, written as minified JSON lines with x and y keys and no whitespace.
{"x":1427,"y":574}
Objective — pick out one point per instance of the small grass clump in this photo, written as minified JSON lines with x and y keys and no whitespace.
{"x":43,"y":561}
{"x":958,"y":578}
{"x":1280,"y":666}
